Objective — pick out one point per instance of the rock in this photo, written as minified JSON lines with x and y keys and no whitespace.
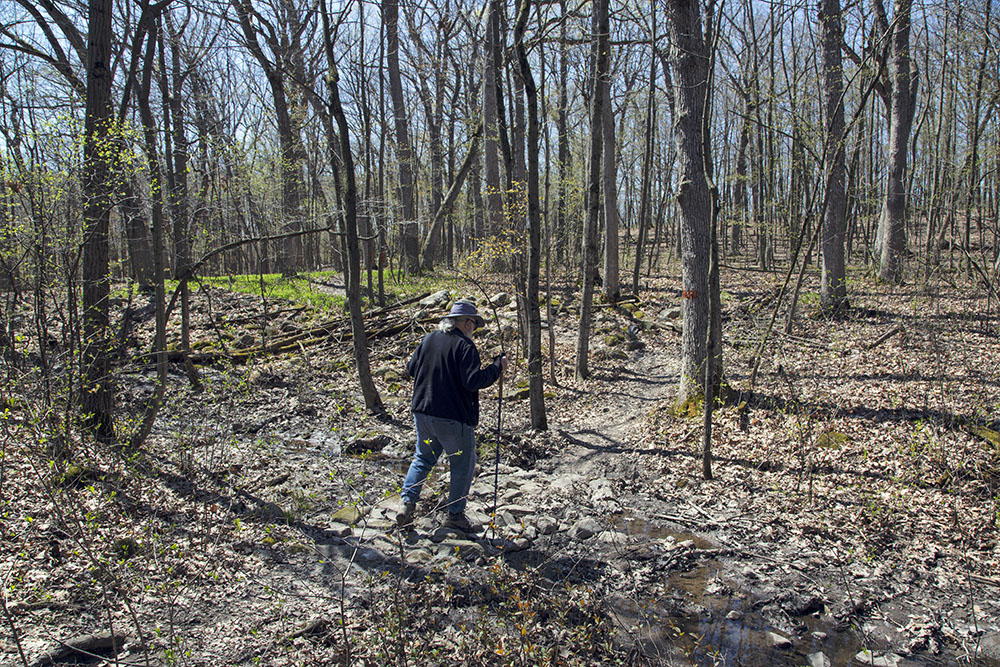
{"x":859,"y":571}
{"x":373,"y":444}
{"x":349,"y":514}
{"x":612,"y":537}
{"x":566,"y":483}
{"x":338,"y":530}
{"x":779,"y":641}
{"x":506,"y":518}
{"x":519,"y":511}
{"x":819,"y":636}
{"x":522,"y":543}
{"x":584,"y":529}
{"x":78,"y":647}
{"x":500,"y":299}
{"x":375,"y":528}
{"x":717,"y":588}
{"x":669,"y":314}
{"x":436,"y":300}
{"x":866,"y":657}
{"x":419,"y":556}
{"x":735,"y":615}
{"x":818,"y":659}
{"x":546,"y":525}
{"x":464,"y":549}
{"x":601,"y":490}
{"x":798,"y":604}
{"x":989,"y":646}
{"x":314,"y":627}
{"x":443,"y":533}
{"x":529,"y":489}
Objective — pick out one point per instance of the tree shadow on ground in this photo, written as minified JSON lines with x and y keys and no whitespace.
{"x":757,"y":400}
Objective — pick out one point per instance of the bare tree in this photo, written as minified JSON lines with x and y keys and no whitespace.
{"x":404,"y":151}
{"x":612,"y":280}
{"x":904,"y":83}
{"x":533,"y":316}
{"x":833,"y":285}
{"x":373,"y":401}
{"x":277,"y":68}
{"x":491,"y":122}
{"x":600,"y":56}
{"x":97,"y":395}
{"x":691,"y":77}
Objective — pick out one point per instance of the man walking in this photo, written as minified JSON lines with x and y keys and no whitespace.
{"x":446,"y":381}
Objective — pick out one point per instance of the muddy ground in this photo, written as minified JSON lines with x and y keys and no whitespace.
{"x":852,"y":517}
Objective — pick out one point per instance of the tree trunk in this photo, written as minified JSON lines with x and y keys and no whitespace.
{"x":600,"y":57}
{"x":740,"y":200}
{"x":892,"y":241}
{"x":691,"y":60}
{"x":353,"y":279}
{"x":833,"y":286}
{"x":157,"y":191}
{"x":177,"y":182}
{"x":140,"y":244}
{"x":404,"y":151}
{"x":536,"y":394}
{"x":97,"y":395}
{"x":646,"y":184}
{"x":564,"y":156}
{"x":444,"y":210}
{"x":491,"y":157}
{"x":612,"y":279}
{"x":291,"y":150}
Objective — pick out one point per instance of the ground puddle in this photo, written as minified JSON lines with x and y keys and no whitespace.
{"x":705,"y":622}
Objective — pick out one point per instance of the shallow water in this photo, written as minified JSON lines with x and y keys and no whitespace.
{"x":726,"y":629}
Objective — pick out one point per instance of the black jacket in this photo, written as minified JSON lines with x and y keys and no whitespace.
{"x":447,"y":377}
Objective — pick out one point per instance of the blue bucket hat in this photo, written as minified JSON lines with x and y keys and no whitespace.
{"x":464,"y":308}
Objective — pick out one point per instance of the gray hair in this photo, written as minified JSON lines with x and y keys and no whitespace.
{"x":447,"y":324}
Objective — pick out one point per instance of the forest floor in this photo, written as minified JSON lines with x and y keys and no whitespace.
{"x":853,"y":516}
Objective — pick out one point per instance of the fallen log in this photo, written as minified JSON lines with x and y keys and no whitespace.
{"x":884,"y":337}
{"x":305,"y":337}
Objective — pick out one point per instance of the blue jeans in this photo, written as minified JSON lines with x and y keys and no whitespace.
{"x":434,"y":436}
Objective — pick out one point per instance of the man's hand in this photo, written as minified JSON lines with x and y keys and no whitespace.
{"x":503,"y":364}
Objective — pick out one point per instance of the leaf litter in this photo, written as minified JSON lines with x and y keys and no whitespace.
{"x":854,"y":506}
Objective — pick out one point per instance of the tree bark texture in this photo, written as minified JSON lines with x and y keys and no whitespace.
{"x":277,"y":70}
{"x":612,"y":278}
{"x":691,"y":69}
{"x":536,"y":395}
{"x":600,"y":55}
{"x":404,"y":151}
{"x":904,"y":92}
{"x":97,"y":394}
{"x":833,"y":286}
{"x":491,"y":151}
{"x":373,"y":401}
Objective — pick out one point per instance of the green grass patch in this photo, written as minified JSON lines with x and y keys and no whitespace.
{"x":831,"y":440}
{"x":411,"y":286}
{"x":313,"y":288}
{"x":306,"y":289}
